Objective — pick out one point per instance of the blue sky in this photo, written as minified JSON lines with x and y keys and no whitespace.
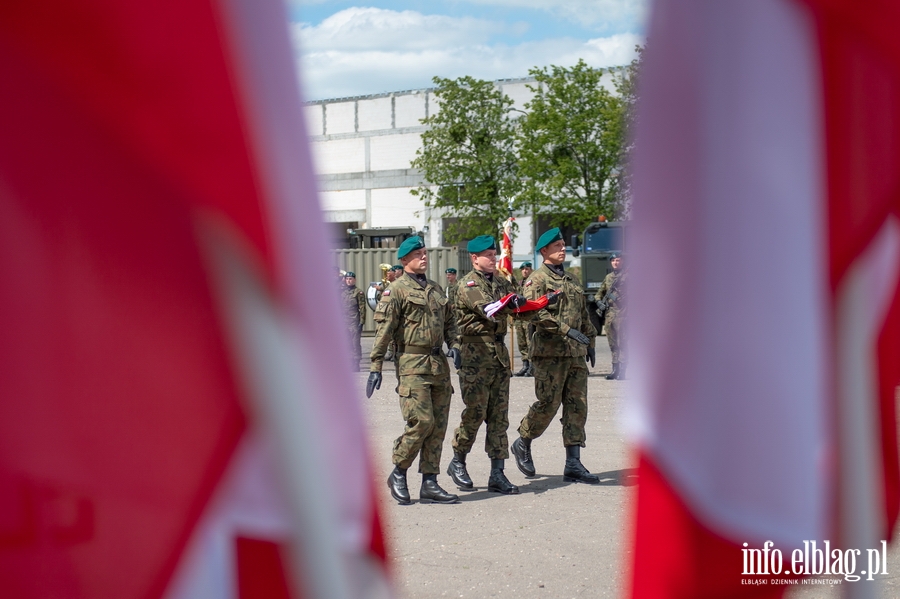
{"x":348,"y":48}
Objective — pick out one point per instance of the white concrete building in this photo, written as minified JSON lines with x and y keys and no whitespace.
{"x":362,"y":148}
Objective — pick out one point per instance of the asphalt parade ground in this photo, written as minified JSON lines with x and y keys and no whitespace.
{"x":554,"y":539}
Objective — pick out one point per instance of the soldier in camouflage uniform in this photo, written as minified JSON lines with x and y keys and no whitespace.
{"x":522,"y":327}
{"x":415,"y":315}
{"x":451,"y":286}
{"x":611,"y":295}
{"x":354,"y":313}
{"x":563,"y":341}
{"x":484,"y":377}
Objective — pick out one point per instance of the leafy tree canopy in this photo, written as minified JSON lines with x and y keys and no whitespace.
{"x":468,"y":157}
{"x":571,"y":145}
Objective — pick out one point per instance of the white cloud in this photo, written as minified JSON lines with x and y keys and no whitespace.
{"x":364,"y":51}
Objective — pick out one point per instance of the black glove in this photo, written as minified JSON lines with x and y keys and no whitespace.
{"x":553,"y":297}
{"x":519,"y":300}
{"x":454,"y":355}
{"x":578,"y":336}
{"x":373,"y":383}
{"x":591,"y":356}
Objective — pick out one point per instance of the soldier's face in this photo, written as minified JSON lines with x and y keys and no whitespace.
{"x":350,"y":281}
{"x":451,"y":277}
{"x":616,"y":263}
{"x":525,"y":272}
{"x":416,"y":261}
{"x":555,"y":253}
{"x":485,"y":261}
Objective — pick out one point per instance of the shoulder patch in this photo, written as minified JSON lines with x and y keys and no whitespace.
{"x":386,"y":293}
{"x":527,"y":283}
{"x":470,"y":283}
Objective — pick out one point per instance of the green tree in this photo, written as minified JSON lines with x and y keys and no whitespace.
{"x":468,"y":157}
{"x":571,"y":142}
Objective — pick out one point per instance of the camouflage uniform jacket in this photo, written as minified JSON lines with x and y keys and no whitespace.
{"x":474,"y":328}
{"x":418,"y":320}
{"x":614,"y":300}
{"x":553,"y":322}
{"x":452,"y":291}
{"x":354,"y":306}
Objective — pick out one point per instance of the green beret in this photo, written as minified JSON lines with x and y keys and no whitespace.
{"x":481,"y":243}
{"x":548,"y":238}
{"x":526,"y":265}
{"x":450,"y":271}
{"x":350,"y":273}
{"x":410,"y":245}
{"x":396,"y":267}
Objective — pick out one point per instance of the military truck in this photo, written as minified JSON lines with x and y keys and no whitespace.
{"x":599,"y":241}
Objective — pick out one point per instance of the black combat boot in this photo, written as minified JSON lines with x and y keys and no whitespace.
{"x":431,"y":491}
{"x":521,"y":450}
{"x":526,"y":366}
{"x":530,"y":371}
{"x":620,"y":375}
{"x":614,"y":374}
{"x":456,"y":470}
{"x":397,"y":484}
{"x":498,"y":483}
{"x":575,"y":472}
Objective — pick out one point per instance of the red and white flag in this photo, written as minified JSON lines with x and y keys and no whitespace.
{"x":764,"y":292}
{"x":505,"y":265}
{"x":176,"y":416}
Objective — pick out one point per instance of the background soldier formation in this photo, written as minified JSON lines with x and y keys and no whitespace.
{"x":612,"y":302}
{"x":416,"y":315}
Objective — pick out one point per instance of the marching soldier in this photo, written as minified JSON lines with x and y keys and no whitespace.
{"x":392,"y":274}
{"x":522,"y":328}
{"x":415,"y":315}
{"x":563,"y":341}
{"x":354,"y":312}
{"x":611,"y":296}
{"x":451,"y":286}
{"x":484,"y":377}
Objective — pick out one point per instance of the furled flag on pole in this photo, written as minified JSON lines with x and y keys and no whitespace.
{"x":174,"y":422}
{"x":765,"y":252}
{"x":505,"y":265}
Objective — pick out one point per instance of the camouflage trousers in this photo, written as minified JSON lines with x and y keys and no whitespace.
{"x":615,"y":338}
{"x":558,"y":380}
{"x":522,"y":338}
{"x":425,"y":405}
{"x":485,"y":393}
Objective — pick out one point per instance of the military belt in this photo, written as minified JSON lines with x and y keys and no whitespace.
{"x":416,"y":349}
{"x":483,"y":338}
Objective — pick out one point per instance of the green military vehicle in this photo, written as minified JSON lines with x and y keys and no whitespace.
{"x":600,"y":240}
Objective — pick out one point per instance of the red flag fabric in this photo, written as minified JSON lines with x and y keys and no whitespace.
{"x":505,"y":265}
{"x":764,"y":292}
{"x":165,"y":404}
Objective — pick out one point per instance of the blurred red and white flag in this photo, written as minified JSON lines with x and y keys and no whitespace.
{"x":176,"y":416}
{"x":764,"y":289}
{"x":505,"y":265}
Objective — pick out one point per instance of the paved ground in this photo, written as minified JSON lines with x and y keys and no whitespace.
{"x":554,"y":540}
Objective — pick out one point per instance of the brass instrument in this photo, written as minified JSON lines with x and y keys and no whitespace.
{"x":374,"y":288}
